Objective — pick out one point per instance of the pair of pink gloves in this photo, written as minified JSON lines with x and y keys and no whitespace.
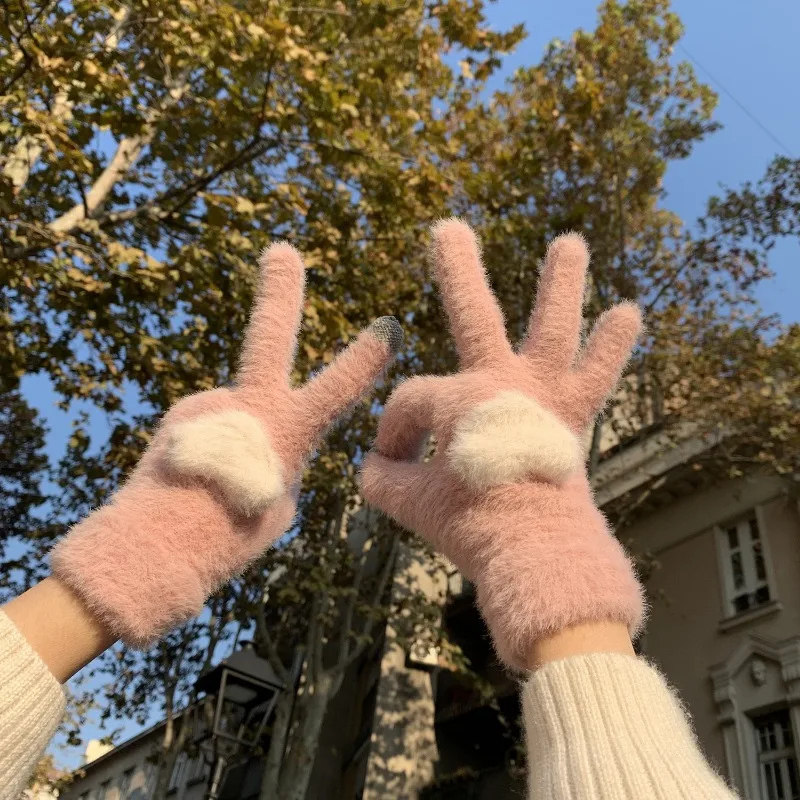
{"x":505,"y":497}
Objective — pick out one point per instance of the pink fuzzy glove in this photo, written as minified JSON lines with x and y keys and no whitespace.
{"x":215,"y":487}
{"x":506,"y":496}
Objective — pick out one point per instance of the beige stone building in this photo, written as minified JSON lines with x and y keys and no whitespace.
{"x":725,"y":621}
{"x":126,"y":773}
{"x":724,"y":628}
{"x":725,"y":603}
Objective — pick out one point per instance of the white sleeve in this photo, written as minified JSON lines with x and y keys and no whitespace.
{"x":32,"y":705}
{"x":609,"y":726}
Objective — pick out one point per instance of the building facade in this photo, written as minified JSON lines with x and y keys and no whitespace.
{"x":724,"y":623}
{"x":725,"y":626}
{"x":126,"y":772}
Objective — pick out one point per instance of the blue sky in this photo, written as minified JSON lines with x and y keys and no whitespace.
{"x":750,"y":48}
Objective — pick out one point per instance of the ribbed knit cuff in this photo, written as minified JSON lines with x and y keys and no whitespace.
{"x":32,"y":705}
{"x":608,"y":726}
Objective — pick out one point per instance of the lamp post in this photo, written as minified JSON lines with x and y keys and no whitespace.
{"x":246,"y":690}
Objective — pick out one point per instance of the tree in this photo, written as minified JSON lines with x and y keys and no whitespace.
{"x":197,"y":132}
{"x":165,"y":675}
{"x":23,"y":465}
{"x":150,"y":150}
{"x":745,"y":374}
{"x":582,"y":141}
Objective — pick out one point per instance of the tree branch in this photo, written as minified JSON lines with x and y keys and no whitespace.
{"x":667,"y":285}
{"x":380,"y":590}
{"x":27,"y":58}
{"x":347,"y":624}
{"x":28,"y":149}
{"x":128,"y":151}
{"x":263,"y":632}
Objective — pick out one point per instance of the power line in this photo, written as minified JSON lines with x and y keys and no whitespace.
{"x":741,"y":105}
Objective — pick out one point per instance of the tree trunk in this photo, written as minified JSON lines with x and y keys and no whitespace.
{"x":164,"y":771}
{"x":166,"y":763}
{"x":297,"y":766}
{"x":277,"y":747}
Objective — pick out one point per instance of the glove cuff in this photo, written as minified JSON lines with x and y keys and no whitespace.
{"x":554,"y":576}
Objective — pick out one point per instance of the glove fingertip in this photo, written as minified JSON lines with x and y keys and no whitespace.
{"x":389,"y":331}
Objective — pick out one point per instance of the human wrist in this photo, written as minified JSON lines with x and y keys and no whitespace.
{"x":583,"y":639}
{"x":571,"y":573}
{"x":59,"y":626}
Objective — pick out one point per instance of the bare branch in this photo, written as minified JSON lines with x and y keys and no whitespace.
{"x":27,"y":58}
{"x":380,"y":591}
{"x":157,"y":207}
{"x":122,"y":17}
{"x":347,"y":622}
{"x":263,"y":632}
{"x":655,"y":485}
{"x":668,"y":284}
{"x":128,"y":151}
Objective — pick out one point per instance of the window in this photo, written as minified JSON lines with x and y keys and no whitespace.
{"x":776,"y":756}
{"x":196,"y":769}
{"x":104,"y":793}
{"x":176,"y":779}
{"x":125,"y":782}
{"x":150,"y":779}
{"x":744,"y":566}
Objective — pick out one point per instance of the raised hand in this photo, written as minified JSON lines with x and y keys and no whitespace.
{"x":216,"y":486}
{"x":505,"y":496}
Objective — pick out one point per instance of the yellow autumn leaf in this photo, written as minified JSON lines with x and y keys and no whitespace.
{"x":256,"y":31}
{"x":244,"y":206}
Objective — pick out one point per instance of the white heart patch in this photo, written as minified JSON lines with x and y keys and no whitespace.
{"x":232,"y":450}
{"x":512,"y":437}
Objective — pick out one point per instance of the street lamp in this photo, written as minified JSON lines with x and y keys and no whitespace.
{"x":246,"y":689}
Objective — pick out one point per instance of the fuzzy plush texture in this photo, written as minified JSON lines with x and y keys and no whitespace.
{"x":169,"y":537}
{"x":510,"y":438}
{"x":231,"y":451}
{"x":608,"y":726}
{"x":32,"y":705}
{"x":540,"y":552}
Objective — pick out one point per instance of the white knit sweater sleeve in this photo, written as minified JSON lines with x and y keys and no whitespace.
{"x":608,"y":726}
{"x":32,"y":705}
